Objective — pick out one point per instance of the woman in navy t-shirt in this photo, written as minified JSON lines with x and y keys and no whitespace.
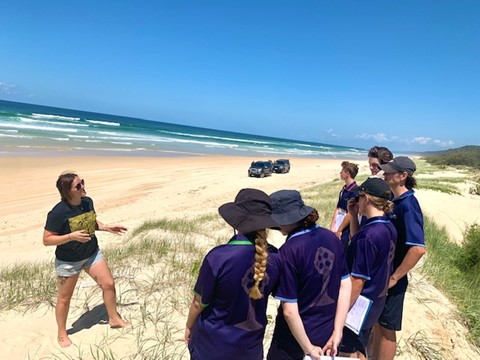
{"x":227,"y":317}
{"x":71,"y":227}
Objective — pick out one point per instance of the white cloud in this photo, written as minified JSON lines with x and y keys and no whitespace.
{"x":422,"y":140}
{"x":429,"y":141}
{"x":332,"y":133}
{"x":448,"y":143}
{"x":419,"y":140}
{"x":378,"y":137}
{"x":6,"y":88}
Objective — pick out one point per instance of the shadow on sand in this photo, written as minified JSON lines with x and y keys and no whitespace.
{"x":98,"y":315}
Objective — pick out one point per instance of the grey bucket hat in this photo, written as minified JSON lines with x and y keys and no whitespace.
{"x":288,"y":207}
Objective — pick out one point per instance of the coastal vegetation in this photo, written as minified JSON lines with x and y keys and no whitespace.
{"x":463,"y":156}
{"x":455,"y":269}
{"x":156,"y":266}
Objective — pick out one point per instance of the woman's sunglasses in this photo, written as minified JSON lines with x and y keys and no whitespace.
{"x":80,"y":184}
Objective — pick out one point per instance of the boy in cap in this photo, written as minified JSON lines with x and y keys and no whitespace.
{"x":408,"y":220}
{"x":314,"y":287}
{"x":370,"y":259}
{"x":227,"y":317}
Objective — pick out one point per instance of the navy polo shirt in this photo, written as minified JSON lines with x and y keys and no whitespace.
{"x":313,"y":265}
{"x":370,"y":257}
{"x":346,"y":194}
{"x":232,"y":325}
{"x":408,"y":220}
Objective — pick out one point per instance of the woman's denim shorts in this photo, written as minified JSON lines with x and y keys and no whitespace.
{"x":67,"y":269}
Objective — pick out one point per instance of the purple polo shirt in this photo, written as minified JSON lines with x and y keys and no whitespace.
{"x":408,"y":220}
{"x":313,"y":266}
{"x":232,"y":325}
{"x":370,"y":257}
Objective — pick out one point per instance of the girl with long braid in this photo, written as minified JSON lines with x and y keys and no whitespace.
{"x":261,"y":259}
{"x":227,"y":316}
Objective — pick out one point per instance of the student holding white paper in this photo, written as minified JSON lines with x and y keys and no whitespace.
{"x":370,"y":259}
{"x":340,"y":224}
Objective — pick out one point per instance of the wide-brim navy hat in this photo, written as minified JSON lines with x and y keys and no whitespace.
{"x":374,"y":186}
{"x":251,"y":211}
{"x":288,"y":207}
{"x":399,"y":164}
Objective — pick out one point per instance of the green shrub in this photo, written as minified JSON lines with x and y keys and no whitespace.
{"x":455,"y":269}
{"x":468,"y":257}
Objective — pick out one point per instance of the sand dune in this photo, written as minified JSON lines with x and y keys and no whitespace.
{"x":132,"y":190}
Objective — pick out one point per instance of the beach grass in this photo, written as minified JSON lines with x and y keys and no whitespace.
{"x":445,"y":185}
{"x":157,"y":264}
{"x":27,"y":285}
{"x":455,"y":270}
{"x":426,"y":347}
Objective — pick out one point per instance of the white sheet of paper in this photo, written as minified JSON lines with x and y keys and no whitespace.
{"x":357,"y":314}
{"x":339,"y":219}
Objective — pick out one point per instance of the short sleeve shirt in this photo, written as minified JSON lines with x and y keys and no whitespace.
{"x":313,"y":264}
{"x":232,"y":325}
{"x":370,"y":257}
{"x":64,"y":219}
{"x":346,"y":194}
{"x":408,"y":220}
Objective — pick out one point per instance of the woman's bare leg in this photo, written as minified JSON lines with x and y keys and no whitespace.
{"x":100,"y":272}
{"x":66,"y":286}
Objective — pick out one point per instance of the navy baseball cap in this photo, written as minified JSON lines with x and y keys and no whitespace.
{"x":374,"y":186}
{"x":399,"y":164}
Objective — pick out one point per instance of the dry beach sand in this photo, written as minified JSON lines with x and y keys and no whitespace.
{"x":131,"y":190}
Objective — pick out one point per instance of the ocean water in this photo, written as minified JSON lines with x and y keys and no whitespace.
{"x":27,"y":129}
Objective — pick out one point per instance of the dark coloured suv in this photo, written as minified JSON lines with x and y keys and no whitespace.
{"x":260,"y":169}
{"x":281,"y":166}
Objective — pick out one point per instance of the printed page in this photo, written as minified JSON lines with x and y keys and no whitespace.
{"x":338,"y":220}
{"x":357,"y":314}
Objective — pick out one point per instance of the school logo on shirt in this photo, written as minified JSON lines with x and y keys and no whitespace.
{"x":251,"y":323}
{"x":86,"y":221}
{"x":324,"y":260}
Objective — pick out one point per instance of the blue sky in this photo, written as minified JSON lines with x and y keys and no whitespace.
{"x":404,"y":74}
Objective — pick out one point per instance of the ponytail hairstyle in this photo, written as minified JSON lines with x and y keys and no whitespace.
{"x":260,"y":265}
{"x":381,"y":203}
{"x":410,"y":182}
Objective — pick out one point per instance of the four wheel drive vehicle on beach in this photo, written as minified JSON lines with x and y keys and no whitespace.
{"x":281,"y":166}
{"x":260,"y":169}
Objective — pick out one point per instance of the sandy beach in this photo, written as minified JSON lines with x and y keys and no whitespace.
{"x":131,"y":190}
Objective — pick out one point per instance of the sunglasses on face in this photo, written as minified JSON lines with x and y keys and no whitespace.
{"x":375,"y":166}
{"x":80,"y":184}
{"x":357,"y":197}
